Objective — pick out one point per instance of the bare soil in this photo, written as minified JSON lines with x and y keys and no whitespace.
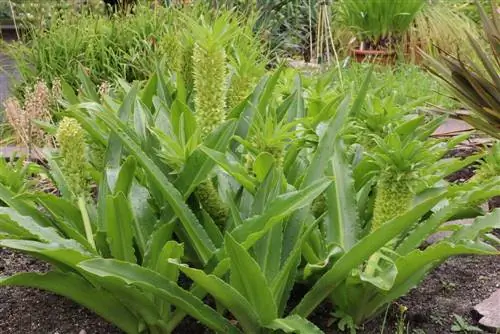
{"x":453,"y":288}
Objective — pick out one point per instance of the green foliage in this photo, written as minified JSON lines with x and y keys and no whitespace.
{"x":476,"y":83}
{"x":440,"y":27}
{"x":129,"y":47}
{"x":462,"y":326}
{"x":233,"y":209}
{"x":378,"y":23}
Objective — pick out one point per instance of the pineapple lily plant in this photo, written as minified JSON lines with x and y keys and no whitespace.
{"x":270,"y":194}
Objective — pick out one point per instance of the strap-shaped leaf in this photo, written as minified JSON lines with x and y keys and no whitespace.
{"x":198,"y":164}
{"x":325,"y":149}
{"x":363,"y":250}
{"x":114,"y":146}
{"x":343,"y":225}
{"x":23,"y":207}
{"x":158,"y":239}
{"x":249,"y":280}
{"x":119,"y":220}
{"x":125,"y":177}
{"x":413,"y":267}
{"x":171,"y":250}
{"x":423,"y":230}
{"x":281,"y":207}
{"x":227,"y":296}
{"x":65,"y":215}
{"x":79,"y":290}
{"x":282,"y":284}
{"x":159,"y":286}
{"x":44,"y":234}
{"x":233,"y":167}
{"x":294,"y":324}
{"x":267,"y":250}
{"x":56,"y":253}
{"x":480,"y":226}
{"x":194,"y":231}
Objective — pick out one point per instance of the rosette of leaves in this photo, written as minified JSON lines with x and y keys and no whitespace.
{"x":145,"y":223}
{"x":148,"y":226}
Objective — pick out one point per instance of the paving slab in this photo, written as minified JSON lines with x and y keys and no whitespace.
{"x":490,"y":310}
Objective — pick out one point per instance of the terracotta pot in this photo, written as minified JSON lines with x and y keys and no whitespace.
{"x":383,"y":57}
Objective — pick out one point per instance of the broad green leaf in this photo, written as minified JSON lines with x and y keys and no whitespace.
{"x":233,"y":167}
{"x":360,"y":97}
{"x":342,"y":225}
{"x":142,"y":119}
{"x":362,"y":251}
{"x":119,"y":220}
{"x":283,"y":282}
{"x":79,"y":290}
{"x":66,"y":216}
{"x":262,"y":164}
{"x":197,"y":236}
{"x":213,"y":230}
{"x":227,"y":296}
{"x":380,"y":271}
{"x":294,"y":324}
{"x":114,"y":146}
{"x":326,"y":147}
{"x":159,"y":286}
{"x":256,"y":290}
{"x":269,"y":89}
{"x":267,"y":250}
{"x":246,"y":115}
{"x":137,"y":301}
{"x":413,"y":267}
{"x":424,"y":229}
{"x":68,"y":93}
{"x":57,"y":176}
{"x":480,"y":226}
{"x":88,"y":87}
{"x":125,"y":177}
{"x":158,"y":239}
{"x":198,"y":164}
{"x":281,"y":207}
{"x":23,"y":207}
{"x":171,"y":250}
{"x":42,"y":233}
{"x":144,"y":219}
{"x":149,"y":91}
{"x":68,"y":253}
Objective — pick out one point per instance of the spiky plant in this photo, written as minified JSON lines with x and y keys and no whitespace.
{"x":477,"y":84}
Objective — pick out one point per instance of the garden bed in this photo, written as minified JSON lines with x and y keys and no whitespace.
{"x":453,"y":288}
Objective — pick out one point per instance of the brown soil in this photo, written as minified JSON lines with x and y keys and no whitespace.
{"x":453,"y":288}
{"x":30,"y":311}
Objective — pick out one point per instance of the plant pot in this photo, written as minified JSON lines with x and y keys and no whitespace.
{"x":383,"y":57}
